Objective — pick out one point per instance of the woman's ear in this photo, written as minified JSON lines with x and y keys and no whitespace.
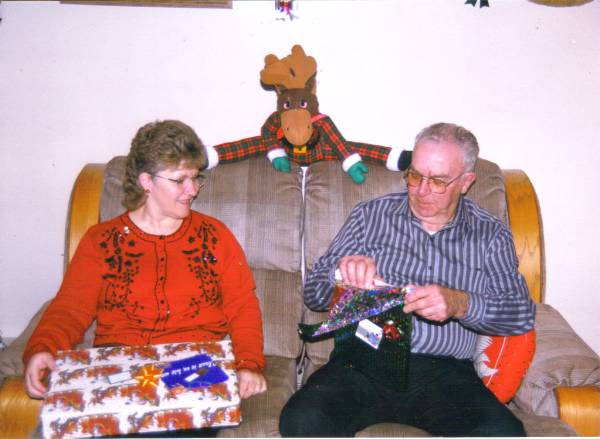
{"x":468,"y":179}
{"x":145,"y":181}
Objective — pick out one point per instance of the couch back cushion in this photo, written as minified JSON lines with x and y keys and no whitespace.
{"x":330,"y":195}
{"x":260,"y":206}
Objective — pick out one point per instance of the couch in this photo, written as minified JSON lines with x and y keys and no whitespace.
{"x":284,"y":222}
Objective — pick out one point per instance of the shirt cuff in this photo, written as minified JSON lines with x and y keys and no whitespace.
{"x":475,"y":310}
{"x":350,"y":161}
{"x":213,"y":157}
{"x":275,"y":153}
{"x":248,"y":364}
{"x":392,"y":160}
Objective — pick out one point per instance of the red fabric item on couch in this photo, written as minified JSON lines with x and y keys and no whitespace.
{"x":502,"y":361}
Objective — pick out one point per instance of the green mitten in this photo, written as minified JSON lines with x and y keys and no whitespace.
{"x":356,"y":172}
{"x":282,"y":164}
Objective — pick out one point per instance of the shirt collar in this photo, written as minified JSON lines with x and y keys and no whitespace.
{"x":460,"y":218}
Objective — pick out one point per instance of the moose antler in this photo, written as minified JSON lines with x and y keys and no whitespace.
{"x":293,"y":71}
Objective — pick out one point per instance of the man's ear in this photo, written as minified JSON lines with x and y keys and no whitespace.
{"x":467,"y":180}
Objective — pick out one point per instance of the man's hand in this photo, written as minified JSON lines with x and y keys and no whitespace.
{"x":36,"y":368}
{"x":358,"y":271}
{"x":436,"y":303}
{"x":251,"y":383}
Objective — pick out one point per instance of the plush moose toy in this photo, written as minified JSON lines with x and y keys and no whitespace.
{"x":298,"y":132}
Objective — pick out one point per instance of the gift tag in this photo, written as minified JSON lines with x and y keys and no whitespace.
{"x":369,"y":332}
{"x":193,"y":372}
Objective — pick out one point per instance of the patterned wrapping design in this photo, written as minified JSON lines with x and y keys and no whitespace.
{"x":82,"y":402}
{"x":354,"y":305}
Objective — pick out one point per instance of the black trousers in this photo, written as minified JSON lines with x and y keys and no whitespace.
{"x":444,"y":397}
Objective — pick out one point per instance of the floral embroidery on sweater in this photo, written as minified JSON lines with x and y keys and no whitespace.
{"x":201,"y":262}
{"x":123,"y":266}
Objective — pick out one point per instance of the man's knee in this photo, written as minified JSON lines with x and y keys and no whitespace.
{"x":302,"y":420}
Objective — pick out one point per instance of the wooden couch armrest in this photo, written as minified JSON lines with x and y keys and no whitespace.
{"x":580,"y":408}
{"x":19,"y":414}
{"x":577,"y":406}
{"x":526,"y":224}
{"x":84,"y":206}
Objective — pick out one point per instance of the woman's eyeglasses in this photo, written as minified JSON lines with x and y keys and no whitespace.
{"x":197,"y":180}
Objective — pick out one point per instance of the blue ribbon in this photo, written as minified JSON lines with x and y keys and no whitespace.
{"x":193,"y":372}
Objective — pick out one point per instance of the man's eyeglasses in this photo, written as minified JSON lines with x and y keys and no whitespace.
{"x":436,"y":185}
{"x":197,"y":180}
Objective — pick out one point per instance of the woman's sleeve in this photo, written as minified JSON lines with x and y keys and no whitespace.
{"x":241,"y":305}
{"x":71,"y":312}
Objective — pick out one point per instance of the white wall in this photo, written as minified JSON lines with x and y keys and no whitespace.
{"x":77,"y":81}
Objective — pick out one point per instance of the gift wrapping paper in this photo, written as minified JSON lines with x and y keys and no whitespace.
{"x":136,"y":389}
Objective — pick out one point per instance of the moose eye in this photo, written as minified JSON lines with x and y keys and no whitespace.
{"x":287,"y":105}
{"x":303,"y":103}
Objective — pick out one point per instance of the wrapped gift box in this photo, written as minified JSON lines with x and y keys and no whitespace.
{"x":137,"y":389}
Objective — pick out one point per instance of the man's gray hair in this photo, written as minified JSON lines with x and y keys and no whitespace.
{"x":449,"y":132}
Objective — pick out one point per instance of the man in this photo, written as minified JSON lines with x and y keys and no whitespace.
{"x":460,"y":267}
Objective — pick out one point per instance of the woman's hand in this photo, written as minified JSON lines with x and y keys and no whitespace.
{"x":251,"y":383}
{"x":36,"y":368}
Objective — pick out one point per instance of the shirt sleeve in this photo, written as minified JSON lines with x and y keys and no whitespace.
{"x":318,"y":290}
{"x":71,"y":312}
{"x":504,"y":307}
{"x":241,"y":306}
{"x":334,"y":137}
{"x":269,"y":132}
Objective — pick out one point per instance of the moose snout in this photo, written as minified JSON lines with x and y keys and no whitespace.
{"x":297,"y":126}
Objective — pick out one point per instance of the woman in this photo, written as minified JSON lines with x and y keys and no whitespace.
{"x":159,"y":273}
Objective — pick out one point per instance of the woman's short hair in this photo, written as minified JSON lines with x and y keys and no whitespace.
{"x":157,"y":146}
{"x":449,"y":132}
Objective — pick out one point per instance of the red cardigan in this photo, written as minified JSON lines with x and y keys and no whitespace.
{"x":193,"y":285}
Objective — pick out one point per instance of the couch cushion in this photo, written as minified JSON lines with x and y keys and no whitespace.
{"x":11,"y":363}
{"x":543,"y":426}
{"x":562,"y":358}
{"x":389,"y":429}
{"x":537,"y":426}
{"x":330,"y":195}
{"x":280,"y":299}
{"x":263,"y":212}
{"x":260,"y":414}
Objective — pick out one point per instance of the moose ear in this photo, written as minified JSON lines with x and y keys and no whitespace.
{"x":311,"y":85}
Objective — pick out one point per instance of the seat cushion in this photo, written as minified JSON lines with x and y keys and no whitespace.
{"x":536,"y":426}
{"x":562,"y":358}
{"x":280,"y":297}
{"x":260,"y":413}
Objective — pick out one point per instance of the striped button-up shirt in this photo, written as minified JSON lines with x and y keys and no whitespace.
{"x":474,"y":253}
